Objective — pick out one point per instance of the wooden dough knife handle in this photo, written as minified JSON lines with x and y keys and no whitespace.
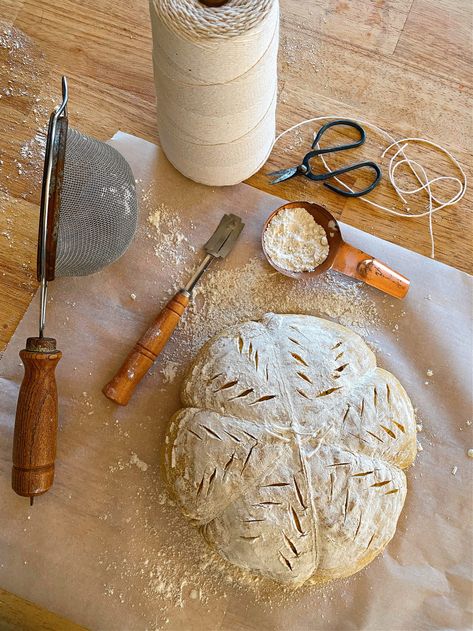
{"x":146,"y":350}
{"x":34,"y":437}
{"x":358,"y":264}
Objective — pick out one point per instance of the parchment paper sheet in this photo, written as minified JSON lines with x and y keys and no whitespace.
{"x":60,"y":553}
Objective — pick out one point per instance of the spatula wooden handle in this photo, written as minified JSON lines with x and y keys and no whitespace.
{"x":34,"y":438}
{"x":146,"y":350}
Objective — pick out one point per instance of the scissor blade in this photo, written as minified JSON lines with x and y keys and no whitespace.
{"x":282,"y":175}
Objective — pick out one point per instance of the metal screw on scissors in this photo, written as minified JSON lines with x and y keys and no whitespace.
{"x":305,"y":167}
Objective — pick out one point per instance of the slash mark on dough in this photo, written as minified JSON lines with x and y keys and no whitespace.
{"x":210,"y":432}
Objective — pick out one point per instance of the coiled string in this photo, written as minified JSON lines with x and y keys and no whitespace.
{"x":215,"y":72}
{"x":398,"y":159}
{"x":192,"y":20}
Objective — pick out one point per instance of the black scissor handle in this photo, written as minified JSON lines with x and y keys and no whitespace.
{"x":353,"y":167}
{"x":322,"y":177}
{"x":336,"y":123}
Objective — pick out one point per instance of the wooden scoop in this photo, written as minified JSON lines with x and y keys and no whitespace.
{"x":343,"y":257}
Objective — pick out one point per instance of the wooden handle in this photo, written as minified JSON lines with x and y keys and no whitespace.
{"x":34,"y":438}
{"x":358,"y":264}
{"x":146,"y":350}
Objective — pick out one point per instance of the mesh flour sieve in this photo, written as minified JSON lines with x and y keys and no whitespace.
{"x":98,"y":207}
{"x":88,"y":218}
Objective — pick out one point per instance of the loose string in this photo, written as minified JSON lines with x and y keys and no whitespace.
{"x":398,"y":159}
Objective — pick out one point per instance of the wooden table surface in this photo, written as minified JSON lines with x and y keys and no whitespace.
{"x":404,"y":65}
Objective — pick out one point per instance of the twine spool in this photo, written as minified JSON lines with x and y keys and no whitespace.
{"x":215,"y":71}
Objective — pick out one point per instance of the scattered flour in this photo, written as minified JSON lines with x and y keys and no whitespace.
{"x":162,"y":564}
{"x":169,"y":371}
{"x":137,"y":462}
{"x":228,"y":296}
{"x":169,"y":568}
{"x":133,"y":461}
{"x":26,"y":82}
{"x":166,"y":229}
{"x":295,"y":242}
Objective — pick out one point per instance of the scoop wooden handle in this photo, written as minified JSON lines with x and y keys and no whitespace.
{"x":34,"y":438}
{"x":358,"y":264}
{"x":146,"y":350}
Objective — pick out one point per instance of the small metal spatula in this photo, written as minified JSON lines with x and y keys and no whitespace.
{"x":150,"y":345}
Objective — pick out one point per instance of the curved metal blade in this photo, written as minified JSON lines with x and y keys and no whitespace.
{"x":282,"y":175}
{"x":225,"y":236}
{"x":218,"y":246}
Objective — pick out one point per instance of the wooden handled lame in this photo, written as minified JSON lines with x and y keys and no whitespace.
{"x":146,"y":350}
{"x":34,"y":438}
{"x":150,"y":345}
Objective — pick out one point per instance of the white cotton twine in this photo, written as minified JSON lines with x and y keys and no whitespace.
{"x":215,"y":72}
{"x":398,"y":159}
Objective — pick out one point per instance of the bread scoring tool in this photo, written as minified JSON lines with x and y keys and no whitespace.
{"x":151,"y":344}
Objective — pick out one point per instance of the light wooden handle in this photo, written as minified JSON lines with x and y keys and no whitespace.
{"x":146,"y":350}
{"x":358,"y":264}
{"x":34,"y":438}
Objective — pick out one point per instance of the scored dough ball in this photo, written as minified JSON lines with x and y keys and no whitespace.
{"x":289,"y":452}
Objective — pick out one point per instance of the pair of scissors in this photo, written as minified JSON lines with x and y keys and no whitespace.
{"x":305,"y":167}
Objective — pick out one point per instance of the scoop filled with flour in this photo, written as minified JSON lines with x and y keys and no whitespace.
{"x":294,"y":241}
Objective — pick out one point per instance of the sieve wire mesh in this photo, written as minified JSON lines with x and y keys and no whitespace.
{"x":98,"y":215}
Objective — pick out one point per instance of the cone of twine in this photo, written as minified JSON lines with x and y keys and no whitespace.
{"x":215,"y":70}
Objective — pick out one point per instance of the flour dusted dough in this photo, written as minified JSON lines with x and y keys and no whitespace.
{"x":289,"y":452}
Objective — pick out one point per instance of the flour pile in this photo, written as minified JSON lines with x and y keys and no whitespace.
{"x":294,"y":241}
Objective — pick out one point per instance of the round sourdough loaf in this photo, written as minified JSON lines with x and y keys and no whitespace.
{"x":289,"y":454}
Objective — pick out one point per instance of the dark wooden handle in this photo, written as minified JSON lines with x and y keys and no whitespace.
{"x":34,"y":438}
{"x":146,"y":350}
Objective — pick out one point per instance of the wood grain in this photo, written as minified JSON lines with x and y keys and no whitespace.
{"x":17,"y":614}
{"x":402,"y":64}
{"x":34,"y":439}
{"x":145,"y":352}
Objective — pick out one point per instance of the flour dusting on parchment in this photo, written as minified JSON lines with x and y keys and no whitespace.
{"x":180,"y":572}
{"x":227,"y":295}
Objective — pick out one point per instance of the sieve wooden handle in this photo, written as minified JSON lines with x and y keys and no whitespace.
{"x":34,"y":437}
{"x":146,"y":350}
{"x":357,"y":264}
